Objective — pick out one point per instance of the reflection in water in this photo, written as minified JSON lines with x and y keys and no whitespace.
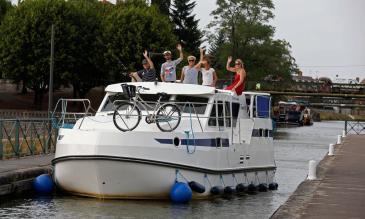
{"x":294,"y":147}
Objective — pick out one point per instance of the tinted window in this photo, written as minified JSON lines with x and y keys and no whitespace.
{"x":197,"y":104}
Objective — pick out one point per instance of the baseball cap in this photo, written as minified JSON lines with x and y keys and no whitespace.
{"x":167,"y":52}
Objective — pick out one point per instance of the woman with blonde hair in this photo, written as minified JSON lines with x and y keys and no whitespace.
{"x":239,"y":81}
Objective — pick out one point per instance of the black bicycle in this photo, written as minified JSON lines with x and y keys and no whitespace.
{"x":127,"y":114}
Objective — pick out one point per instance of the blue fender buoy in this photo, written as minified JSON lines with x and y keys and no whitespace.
{"x":262,"y":187}
{"x":229,"y":190}
{"x":43,"y":184}
{"x":251,"y":188}
{"x":196,"y":187}
{"x":241,"y":187}
{"x":180,"y":192}
{"x":216,"y":190}
{"x":273,"y":186}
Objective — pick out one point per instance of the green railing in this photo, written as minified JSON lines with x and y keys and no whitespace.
{"x":24,"y":137}
{"x":355,"y":127}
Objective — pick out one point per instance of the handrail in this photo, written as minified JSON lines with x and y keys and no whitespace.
{"x":356,"y":127}
{"x":63,"y":102}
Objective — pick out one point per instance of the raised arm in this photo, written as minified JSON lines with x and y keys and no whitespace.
{"x":145,"y":54}
{"x":198,"y":65}
{"x":179,"y":47}
{"x":229,"y":60}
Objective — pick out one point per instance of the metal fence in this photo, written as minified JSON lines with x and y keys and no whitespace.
{"x":355,"y":127}
{"x":23,"y":137}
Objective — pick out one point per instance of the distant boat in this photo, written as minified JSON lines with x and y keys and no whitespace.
{"x":293,"y":113}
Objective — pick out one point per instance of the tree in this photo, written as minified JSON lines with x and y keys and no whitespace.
{"x":25,"y":44}
{"x":162,"y":5}
{"x":5,"y":6}
{"x":250,"y":37}
{"x":186,"y":27}
{"x":129,"y":31}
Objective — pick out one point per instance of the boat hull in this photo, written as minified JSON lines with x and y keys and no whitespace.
{"x":127,"y":178}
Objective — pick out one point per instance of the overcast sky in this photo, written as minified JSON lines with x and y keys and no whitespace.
{"x":327,"y":36}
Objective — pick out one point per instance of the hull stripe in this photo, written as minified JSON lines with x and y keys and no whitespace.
{"x":204,"y":142}
{"x":162,"y":163}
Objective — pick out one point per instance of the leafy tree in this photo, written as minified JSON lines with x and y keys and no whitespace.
{"x":250,"y":37}
{"x":129,"y":31}
{"x":186,"y":26}
{"x":162,"y":5}
{"x":5,"y":5}
{"x":25,"y":44}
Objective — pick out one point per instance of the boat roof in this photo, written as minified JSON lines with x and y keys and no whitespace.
{"x":175,"y":89}
{"x":169,"y":88}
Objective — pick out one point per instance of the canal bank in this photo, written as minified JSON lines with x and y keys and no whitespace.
{"x":338,"y":191}
{"x":17,"y":175}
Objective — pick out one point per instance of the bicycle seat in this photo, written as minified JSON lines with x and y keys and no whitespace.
{"x":162,"y":94}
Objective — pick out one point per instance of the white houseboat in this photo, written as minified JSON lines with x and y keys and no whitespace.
{"x":216,"y":141}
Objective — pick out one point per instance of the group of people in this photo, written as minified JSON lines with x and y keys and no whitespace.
{"x":190,"y":72}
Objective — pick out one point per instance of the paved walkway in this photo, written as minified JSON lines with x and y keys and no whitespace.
{"x":10,"y":165}
{"x":339,"y":191}
{"x":16,"y":175}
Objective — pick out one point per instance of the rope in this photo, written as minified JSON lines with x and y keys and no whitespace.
{"x":257,"y":178}
{"x":177,"y":172}
{"x":188,"y":136}
{"x":246,"y":180}
{"x":206,"y":179}
{"x":234,"y":177}
{"x":222,"y":181}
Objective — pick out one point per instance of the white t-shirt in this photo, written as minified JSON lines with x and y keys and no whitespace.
{"x":169,"y":69}
{"x":207,"y":76}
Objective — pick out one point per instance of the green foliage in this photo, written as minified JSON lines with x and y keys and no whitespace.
{"x":162,"y":5}
{"x":25,"y":43}
{"x":186,"y":27}
{"x":5,"y":5}
{"x":250,"y":37}
{"x":131,"y":30}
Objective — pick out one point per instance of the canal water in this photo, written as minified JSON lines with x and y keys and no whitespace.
{"x":294,"y":147}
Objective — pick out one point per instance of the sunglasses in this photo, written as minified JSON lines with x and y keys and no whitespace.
{"x":191,"y":60}
{"x":237,"y":63}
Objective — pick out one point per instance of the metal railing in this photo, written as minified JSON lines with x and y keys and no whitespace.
{"x":24,"y":137}
{"x":355,"y":127}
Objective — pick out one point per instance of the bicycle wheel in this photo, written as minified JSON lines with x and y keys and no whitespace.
{"x":126,"y":116}
{"x":168,"y":117}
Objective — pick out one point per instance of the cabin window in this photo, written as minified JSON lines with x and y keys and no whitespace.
{"x":197,"y":105}
{"x":263,"y":106}
{"x":235,"y":111}
{"x":217,"y":108}
{"x":228,"y":114}
{"x":109,"y":106}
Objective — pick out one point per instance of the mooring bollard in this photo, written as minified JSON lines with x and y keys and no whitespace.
{"x":312,"y":170}
{"x":331,"y":150}
{"x":339,"y":139}
{"x":343,"y":133}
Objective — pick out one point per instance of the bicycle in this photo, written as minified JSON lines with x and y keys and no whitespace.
{"x":127,"y":115}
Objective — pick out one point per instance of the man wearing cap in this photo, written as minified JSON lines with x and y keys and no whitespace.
{"x":168,"y":69}
{"x":148,"y":73}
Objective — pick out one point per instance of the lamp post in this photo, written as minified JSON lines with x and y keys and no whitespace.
{"x":50,"y":87}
